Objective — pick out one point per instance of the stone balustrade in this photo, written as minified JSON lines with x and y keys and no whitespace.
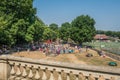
{"x":20,"y":68}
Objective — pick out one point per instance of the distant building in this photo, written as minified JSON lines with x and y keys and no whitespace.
{"x":101,"y":37}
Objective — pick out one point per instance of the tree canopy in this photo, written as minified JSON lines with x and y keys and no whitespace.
{"x":19,"y":24}
{"x":53,"y":26}
{"x":82,"y":29}
{"x":64,"y":31}
{"x":109,"y":33}
{"x":49,"y":34}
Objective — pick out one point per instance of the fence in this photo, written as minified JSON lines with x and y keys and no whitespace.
{"x":20,"y":68}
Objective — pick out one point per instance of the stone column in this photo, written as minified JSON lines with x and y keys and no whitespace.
{"x":63,"y":75}
{"x":37,"y":75}
{"x":30,"y":75}
{"x":12,"y":72}
{"x":90,"y":77}
{"x":4,"y":69}
{"x":71,"y":76}
{"x":56,"y":74}
{"x":81,"y":76}
{"x":101,"y":77}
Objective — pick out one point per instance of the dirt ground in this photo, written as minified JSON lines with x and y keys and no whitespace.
{"x":77,"y":58}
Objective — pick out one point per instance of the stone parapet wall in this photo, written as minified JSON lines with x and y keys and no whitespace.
{"x":116,"y":57}
{"x":20,"y":67}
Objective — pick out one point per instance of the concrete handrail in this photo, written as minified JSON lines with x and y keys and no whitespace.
{"x":101,"y":69}
{"x":8,"y":63}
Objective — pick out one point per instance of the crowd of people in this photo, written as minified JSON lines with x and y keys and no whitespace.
{"x":48,"y":49}
{"x":45,"y":48}
{"x":57,"y":49}
{"x":4,"y":49}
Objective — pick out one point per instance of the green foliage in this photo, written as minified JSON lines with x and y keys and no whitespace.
{"x":82,"y":29}
{"x":21,"y":9}
{"x":5,"y":37}
{"x":109,"y":33}
{"x":49,"y":34}
{"x":35,"y":32}
{"x":113,"y":47}
{"x":64,"y":31}
{"x":53,"y":26}
{"x":18,"y":23}
{"x":18,"y":31}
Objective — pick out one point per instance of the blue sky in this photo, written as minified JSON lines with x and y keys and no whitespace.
{"x":105,"y":12}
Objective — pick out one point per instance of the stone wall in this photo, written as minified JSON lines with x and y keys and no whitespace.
{"x":116,"y":57}
{"x":20,"y":68}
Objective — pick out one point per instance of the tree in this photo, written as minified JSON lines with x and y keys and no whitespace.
{"x":18,"y":31}
{"x":64,"y":31}
{"x":53,"y":26}
{"x":49,"y":34}
{"x":82,"y":29}
{"x":21,"y":9}
{"x":100,"y":32}
{"x":109,"y":33}
{"x":20,"y":22}
{"x":35,"y":31}
{"x":5,"y":36}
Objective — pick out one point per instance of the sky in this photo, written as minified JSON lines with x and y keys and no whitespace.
{"x":106,"y":13}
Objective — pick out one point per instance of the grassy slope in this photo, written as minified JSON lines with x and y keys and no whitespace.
{"x":113,"y":47}
{"x":77,"y":58}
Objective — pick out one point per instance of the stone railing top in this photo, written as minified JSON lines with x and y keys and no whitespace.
{"x":102,"y":69}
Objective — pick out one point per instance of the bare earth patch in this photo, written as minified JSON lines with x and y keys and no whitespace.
{"x":76,"y":58}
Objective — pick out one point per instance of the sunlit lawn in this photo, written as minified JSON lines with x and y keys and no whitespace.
{"x":77,"y":58}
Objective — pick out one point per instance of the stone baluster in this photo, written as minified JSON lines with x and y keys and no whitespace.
{"x":68,"y":76}
{"x":41,"y":73}
{"x":12,"y":72}
{"x":63,"y":75}
{"x":51,"y":76}
{"x":101,"y":77}
{"x":48,"y":73}
{"x":44,"y":77}
{"x":55,"y":74}
{"x":112,"y":78}
{"x":30,"y":75}
{"x":72,"y":76}
{"x":81,"y":76}
{"x":77,"y":77}
{"x":59,"y":76}
{"x":37,"y":75}
{"x":90,"y":77}
{"x":18,"y":72}
{"x":24,"y":73}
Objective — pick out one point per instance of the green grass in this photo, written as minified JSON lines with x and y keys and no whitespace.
{"x":113,"y":47}
{"x":96,"y":60}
